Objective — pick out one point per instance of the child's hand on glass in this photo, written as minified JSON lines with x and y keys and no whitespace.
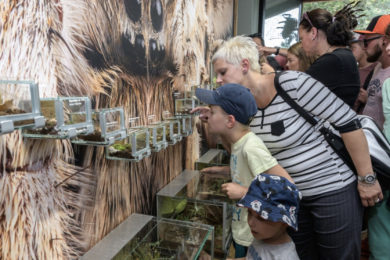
{"x":234,"y":190}
{"x":204,"y":112}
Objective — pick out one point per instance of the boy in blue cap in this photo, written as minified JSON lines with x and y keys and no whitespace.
{"x":232,"y":108}
{"x":272,"y":204}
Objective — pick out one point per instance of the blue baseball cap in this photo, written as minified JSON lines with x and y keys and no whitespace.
{"x":234,"y":99}
{"x":274,"y":198}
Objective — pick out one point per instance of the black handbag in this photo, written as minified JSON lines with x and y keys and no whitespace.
{"x":378,"y":145}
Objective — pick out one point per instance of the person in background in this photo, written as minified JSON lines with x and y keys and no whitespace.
{"x":330,"y":212}
{"x":366,"y":69}
{"x":266,"y":58}
{"x":327,"y":37}
{"x":297,"y":58}
{"x":376,"y":40}
{"x":231,"y":109}
{"x":273,"y":204}
{"x":386,"y":93}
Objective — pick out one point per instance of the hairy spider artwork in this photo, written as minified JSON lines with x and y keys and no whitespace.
{"x":58,"y":199}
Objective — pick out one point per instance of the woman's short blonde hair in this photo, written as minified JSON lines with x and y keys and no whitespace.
{"x":236,"y":49}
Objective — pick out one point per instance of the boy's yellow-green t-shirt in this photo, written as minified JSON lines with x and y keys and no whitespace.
{"x":249,"y":157}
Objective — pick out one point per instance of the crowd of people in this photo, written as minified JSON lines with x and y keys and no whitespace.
{"x":296,"y":198}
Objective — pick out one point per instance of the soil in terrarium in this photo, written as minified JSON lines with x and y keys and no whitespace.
{"x":96,"y":136}
{"x":7,"y":109}
{"x":48,"y":129}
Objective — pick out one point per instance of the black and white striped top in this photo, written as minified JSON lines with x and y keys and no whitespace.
{"x":295,"y":143}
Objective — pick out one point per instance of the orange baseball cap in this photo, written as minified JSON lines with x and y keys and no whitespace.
{"x":377,"y":25}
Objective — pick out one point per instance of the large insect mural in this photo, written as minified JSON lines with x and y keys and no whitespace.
{"x":58,"y":199}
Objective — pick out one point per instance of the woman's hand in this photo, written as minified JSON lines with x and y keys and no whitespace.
{"x":266,"y":50}
{"x":234,"y":190}
{"x":370,"y":193}
{"x":204,"y":112}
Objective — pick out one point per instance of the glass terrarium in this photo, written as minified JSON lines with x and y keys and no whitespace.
{"x":109,"y":126}
{"x":172,"y":128}
{"x":146,"y":237}
{"x":157,"y":133}
{"x":186,"y":124}
{"x":66,"y":117}
{"x":19,"y":105}
{"x":213,"y":157}
{"x":134,"y":147}
{"x":197,"y":197}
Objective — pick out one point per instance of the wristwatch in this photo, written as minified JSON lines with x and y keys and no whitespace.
{"x":368,"y":179}
{"x":277,"y":50}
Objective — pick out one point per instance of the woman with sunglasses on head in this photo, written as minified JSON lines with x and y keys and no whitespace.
{"x":327,"y":37}
{"x":330,"y":213}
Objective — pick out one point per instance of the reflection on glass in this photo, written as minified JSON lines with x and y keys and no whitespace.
{"x":281,"y":23}
{"x":165,"y":239}
{"x":198,"y":198}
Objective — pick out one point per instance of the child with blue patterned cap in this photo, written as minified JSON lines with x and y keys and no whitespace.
{"x":272,"y":202}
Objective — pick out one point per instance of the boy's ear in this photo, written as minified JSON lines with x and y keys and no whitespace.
{"x":231,"y":121}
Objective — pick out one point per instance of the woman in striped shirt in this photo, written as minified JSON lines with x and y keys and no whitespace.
{"x":331,"y":209}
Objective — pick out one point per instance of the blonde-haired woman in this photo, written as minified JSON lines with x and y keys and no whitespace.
{"x":297,"y":58}
{"x":330,"y":214}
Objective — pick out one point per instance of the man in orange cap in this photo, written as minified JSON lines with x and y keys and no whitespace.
{"x":375,"y":42}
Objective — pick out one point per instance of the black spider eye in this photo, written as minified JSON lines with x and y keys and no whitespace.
{"x":133,"y":56}
{"x":133,"y":9}
{"x":156,"y":54}
{"x":156,"y":13}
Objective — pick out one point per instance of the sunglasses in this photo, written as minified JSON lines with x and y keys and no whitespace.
{"x":305,"y":16}
{"x":366,"y":41}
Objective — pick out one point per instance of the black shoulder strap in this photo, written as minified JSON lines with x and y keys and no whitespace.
{"x":291,"y":102}
{"x":368,"y":79}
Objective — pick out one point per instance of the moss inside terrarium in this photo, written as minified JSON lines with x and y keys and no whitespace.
{"x":122,"y":150}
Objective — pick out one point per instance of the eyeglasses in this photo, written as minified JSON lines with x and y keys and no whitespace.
{"x":306,"y":17}
{"x":366,"y":41}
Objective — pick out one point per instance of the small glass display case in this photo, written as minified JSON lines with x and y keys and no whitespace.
{"x":185,"y":102}
{"x":197,"y":197}
{"x":134,"y":147}
{"x":213,"y":157}
{"x":157,"y":133}
{"x":109,"y":126}
{"x":66,"y":117}
{"x":186,"y":124}
{"x":172,"y":128}
{"x":146,"y":237}
{"x":19,"y":105}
